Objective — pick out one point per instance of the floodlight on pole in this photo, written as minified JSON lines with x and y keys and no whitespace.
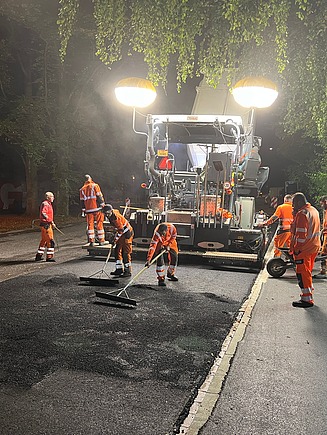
{"x":135,"y":92}
{"x":255,"y":92}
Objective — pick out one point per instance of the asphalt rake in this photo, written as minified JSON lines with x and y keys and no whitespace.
{"x":101,"y":278}
{"x":120,"y":295}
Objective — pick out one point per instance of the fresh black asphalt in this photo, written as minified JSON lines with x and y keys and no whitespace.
{"x":74,"y":364}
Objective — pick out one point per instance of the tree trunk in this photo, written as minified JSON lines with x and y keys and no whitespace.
{"x":63,"y":155}
{"x":62,"y":183}
{"x":32,"y":203}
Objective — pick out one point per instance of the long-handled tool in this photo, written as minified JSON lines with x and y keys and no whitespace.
{"x":97,"y":277}
{"x":115,"y":295}
{"x":56,"y":228}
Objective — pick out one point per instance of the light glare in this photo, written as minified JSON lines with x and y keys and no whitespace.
{"x":135,"y":92}
{"x":257,"y":92}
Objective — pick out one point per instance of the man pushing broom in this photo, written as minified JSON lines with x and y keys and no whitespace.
{"x":164,"y":237}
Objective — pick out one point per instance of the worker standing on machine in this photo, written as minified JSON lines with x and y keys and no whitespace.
{"x":323,"y":264}
{"x":284,"y":213}
{"x":122,"y":241}
{"x":92,"y":202}
{"x":46,"y":223}
{"x":305,"y":244}
{"x":164,"y":237}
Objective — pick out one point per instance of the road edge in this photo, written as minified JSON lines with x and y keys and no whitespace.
{"x":209,"y":392}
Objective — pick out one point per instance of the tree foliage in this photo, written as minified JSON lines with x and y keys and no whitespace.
{"x":284,"y":40}
{"x":53,"y":55}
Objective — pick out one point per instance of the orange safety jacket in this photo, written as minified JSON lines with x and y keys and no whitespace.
{"x":306,"y":231}
{"x":324,"y":232}
{"x":46,"y":213}
{"x":284,"y":213}
{"x":170,"y":239}
{"x":324,"y":225}
{"x":120,"y":223}
{"x":91,"y":197}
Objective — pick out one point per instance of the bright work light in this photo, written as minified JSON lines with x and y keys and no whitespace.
{"x":135,"y":92}
{"x":255,"y":92}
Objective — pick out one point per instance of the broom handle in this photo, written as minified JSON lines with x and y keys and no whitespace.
{"x":108,"y":256}
{"x":142,"y":270}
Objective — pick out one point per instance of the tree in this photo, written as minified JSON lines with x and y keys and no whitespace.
{"x":284,"y":40}
{"x":55,"y":118}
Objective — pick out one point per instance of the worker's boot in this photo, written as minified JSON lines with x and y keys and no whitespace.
{"x":117,"y":272}
{"x":127,"y":272}
{"x":104,"y":242}
{"x":38,"y":257}
{"x":161,"y":283}
{"x":171,"y":277}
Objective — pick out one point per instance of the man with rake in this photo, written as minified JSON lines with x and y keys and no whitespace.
{"x":164,"y":237}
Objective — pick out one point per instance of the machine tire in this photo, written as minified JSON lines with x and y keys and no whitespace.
{"x":276,"y":267}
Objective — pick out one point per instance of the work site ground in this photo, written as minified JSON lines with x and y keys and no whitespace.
{"x":73,"y":364}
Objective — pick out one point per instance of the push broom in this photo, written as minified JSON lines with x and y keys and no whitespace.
{"x":116,"y":295}
{"x":97,"y":277}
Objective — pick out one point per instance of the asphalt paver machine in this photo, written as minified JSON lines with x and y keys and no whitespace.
{"x":203,"y":175}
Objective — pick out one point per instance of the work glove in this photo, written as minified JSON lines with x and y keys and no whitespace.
{"x":83,"y":213}
{"x":147,"y":264}
{"x":167,"y":248}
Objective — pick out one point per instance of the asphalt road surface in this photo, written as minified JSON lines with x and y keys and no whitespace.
{"x":72,"y":363}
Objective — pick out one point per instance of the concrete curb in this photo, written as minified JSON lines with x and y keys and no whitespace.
{"x":209,"y":392}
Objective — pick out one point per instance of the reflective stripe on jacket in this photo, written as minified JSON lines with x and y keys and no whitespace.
{"x":170,"y":239}
{"x":306,"y":230}
{"x":284,"y":213}
{"x":120,"y":223}
{"x":91,"y":195}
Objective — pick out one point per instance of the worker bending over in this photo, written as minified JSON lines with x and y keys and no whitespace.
{"x":46,"y":223}
{"x":164,"y":237}
{"x":284,"y":213}
{"x":305,"y":244}
{"x":323,"y":266}
{"x":122,"y":241}
{"x":92,"y":202}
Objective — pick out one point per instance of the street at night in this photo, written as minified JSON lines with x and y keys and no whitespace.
{"x":163,"y":217}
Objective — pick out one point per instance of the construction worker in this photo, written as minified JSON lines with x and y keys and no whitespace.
{"x":323,"y":264}
{"x":305,"y":244}
{"x":92,"y":202}
{"x":164,"y":237}
{"x":47,"y":243}
{"x":122,"y":241}
{"x":284,"y":213}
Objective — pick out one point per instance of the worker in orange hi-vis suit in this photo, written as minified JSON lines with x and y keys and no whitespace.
{"x":47,"y":243}
{"x":323,"y":269}
{"x":305,"y":245}
{"x":92,"y":202}
{"x":284,"y":213}
{"x":122,"y":241}
{"x":164,"y":237}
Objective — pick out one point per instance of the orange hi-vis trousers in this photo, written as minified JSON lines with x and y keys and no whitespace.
{"x":123,"y":251}
{"x":282,"y":240}
{"x":47,"y":243}
{"x":97,"y":216}
{"x":172,"y":255}
{"x":304,"y":264}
